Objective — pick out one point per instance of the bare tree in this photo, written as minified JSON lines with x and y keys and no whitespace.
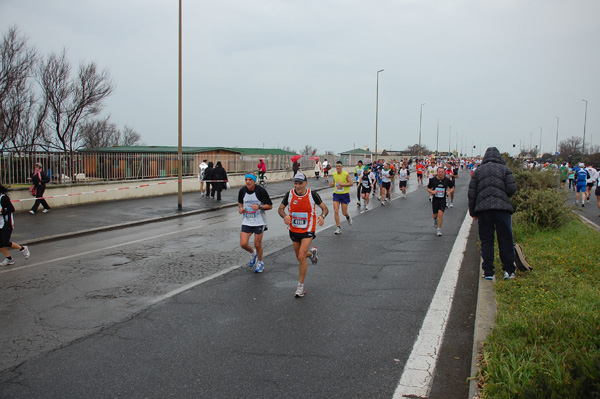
{"x":17,"y":60}
{"x":97,"y":133}
{"x":71,"y":102}
{"x":416,"y":150}
{"x":129,"y":137}
{"x":308,"y":150}
{"x":570,"y":149}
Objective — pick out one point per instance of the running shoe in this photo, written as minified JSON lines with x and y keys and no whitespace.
{"x":313,"y":257}
{"x":439,"y":232}
{"x":25,"y":251}
{"x":253,"y":258}
{"x":32,"y":212}
{"x":509,"y":276}
{"x":358,"y":204}
{"x":435,"y":223}
{"x":367,"y":208}
{"x":491,"y":278}
{"x":7,"y":262}
{"x":382,"y":203}
{"x":338,"y":230}
{"x":46,"y":210}
{"x":300,"y":291}
{"x":349,"y":220}
{"x":404,"y":196}
{"x":451,"y":204}
{"x":260,"y":266}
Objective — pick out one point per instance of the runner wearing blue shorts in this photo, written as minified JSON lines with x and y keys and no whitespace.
{"x":341,"y":194}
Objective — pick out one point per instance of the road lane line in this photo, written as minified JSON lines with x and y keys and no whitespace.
{"x":419,"y":369}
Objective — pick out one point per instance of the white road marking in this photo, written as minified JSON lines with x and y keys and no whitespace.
{"x":419,"y":369}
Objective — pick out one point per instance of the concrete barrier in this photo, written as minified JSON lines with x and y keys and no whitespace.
{"x":60,"y":195}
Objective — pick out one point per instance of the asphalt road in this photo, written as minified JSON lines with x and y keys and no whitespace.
{"x":168,"y":309}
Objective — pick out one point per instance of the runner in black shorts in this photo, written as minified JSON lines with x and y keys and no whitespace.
{"x":253,"y":200}
{"x":439,"y":186}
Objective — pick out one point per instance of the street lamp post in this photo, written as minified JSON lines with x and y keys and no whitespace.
{"x":437,"y":137}
{"x":449,"y":138}
{"x":584,"y":123}
{"x":179,"y":151}
{"x":420,"y":122}
{"x":377,"y":110}
{"x":541,"y":152}
{"x":556,"y":148}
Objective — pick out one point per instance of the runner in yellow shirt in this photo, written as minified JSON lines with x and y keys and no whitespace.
{"x":342,"y":183}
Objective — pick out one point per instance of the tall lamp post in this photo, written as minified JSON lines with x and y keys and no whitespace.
{"x":437,"y":137}
{"x":541,"y":152}
{"x":584,"y":123}
{"x":376,"y":111}
{"x":179,"y":155}
{"x":449,"y":138}
{"x":556,"y":148}
{"x":420,"y":122}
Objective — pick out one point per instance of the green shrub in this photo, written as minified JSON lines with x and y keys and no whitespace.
{"x":544,"y":209}
{"x":536,"y":179}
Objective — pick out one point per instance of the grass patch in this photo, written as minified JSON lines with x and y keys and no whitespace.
{"x":546,"y":342}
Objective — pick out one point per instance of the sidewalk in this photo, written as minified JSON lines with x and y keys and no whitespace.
{"x":82,"y":219}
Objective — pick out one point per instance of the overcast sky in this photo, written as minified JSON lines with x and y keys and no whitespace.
{"x":303,"y":72}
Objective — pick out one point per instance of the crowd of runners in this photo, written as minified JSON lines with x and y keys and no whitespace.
{"x":302,"y":209}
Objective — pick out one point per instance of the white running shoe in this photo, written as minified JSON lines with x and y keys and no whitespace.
{"x":439,"y":232}
{"x":7,"y":262}
{"x":338,"y":230}
{"x":451,"y":204}
{"x":300,"y":291}
{"x":349,"y":220}
{"x":25,"y":251}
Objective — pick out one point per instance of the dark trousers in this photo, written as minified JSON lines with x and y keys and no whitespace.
{"x":39,"y":200}
{"x":499,"y":222}
{"x":207,"y":188}
{"x":358,"y":189}
{"x":216,"y":188}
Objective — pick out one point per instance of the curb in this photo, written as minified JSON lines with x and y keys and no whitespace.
{"x":94,"y":230}
{"x":485,"y":318}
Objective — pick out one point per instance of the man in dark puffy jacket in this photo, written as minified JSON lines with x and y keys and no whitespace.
{"x":490,"y":190}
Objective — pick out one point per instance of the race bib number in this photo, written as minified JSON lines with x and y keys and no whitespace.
{"x":300,"y":220}
{"x":250,"y":213}
{"x":440,"y":192}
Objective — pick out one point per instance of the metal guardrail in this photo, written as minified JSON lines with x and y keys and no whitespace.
{"x":17,"y":168}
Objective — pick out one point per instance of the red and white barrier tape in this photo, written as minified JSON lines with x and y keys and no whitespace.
{"x":121,"y":188}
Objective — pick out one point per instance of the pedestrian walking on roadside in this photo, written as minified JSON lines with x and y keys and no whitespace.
{"x":6,"y":229}
{"x":301,"y":204}
{"x":208,"y":177}
{"x":295,"y":167}
{"x":490,"y":190}
{"x":253,"y":201}
{"x":341,"y":195}
{"x":39,"y":179}
{"x":220,"y":175}
{"x":318,"y":168}
{"x":201,"y":169}
{"x":439,"y":187}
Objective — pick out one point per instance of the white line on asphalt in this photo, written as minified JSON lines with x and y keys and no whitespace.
{"x":419,"y":369}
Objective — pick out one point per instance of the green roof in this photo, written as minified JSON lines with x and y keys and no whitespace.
{"x":357,"y":151}
{"x":187,"y":150}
